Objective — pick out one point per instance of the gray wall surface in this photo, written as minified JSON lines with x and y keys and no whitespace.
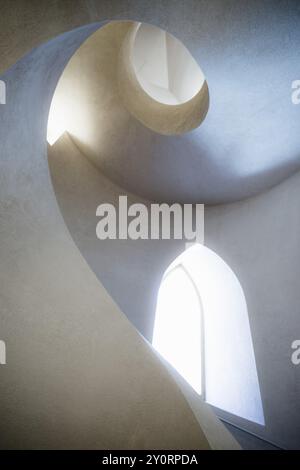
{"x":259,"y":239}
{"x":249,"y":441}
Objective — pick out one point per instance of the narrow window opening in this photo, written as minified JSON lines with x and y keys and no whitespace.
{"x":202,"y":329}
{"x":178,"y":326}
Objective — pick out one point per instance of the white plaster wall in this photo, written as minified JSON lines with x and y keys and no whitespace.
{"x":78,"y":375}
{"x":130,"y":270}
{"x":259,"y":239}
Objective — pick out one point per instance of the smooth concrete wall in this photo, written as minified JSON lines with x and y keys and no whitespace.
{"x":259,"y":239}
{"x":78,"y":375}
{"x":131,"y":270}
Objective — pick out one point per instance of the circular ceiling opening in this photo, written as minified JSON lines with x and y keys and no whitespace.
{"x":164,"y":68}
{"x":160,"y":82}
{"x":125,"y":72}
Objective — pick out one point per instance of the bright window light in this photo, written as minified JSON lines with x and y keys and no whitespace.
{"x":222,"y":341}
{"x":177,"y":332}
{"x":164,"y":67}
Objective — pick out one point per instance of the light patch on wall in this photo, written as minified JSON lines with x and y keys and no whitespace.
{"x":67,"y":111}
{"x":2,"y":353}
{"x":57,"y":122}
{"x":2,"y":92}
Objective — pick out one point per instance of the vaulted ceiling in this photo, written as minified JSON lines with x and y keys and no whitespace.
{"x":250,"y":137}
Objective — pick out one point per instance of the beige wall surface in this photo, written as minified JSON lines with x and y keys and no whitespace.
{"x":130,"y":270}
{"x":78,"y":375}
{"x":55,"y":314}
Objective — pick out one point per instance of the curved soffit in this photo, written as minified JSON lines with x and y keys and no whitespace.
{"x":248,"y":141}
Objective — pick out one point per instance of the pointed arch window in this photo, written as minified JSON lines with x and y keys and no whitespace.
{"x":178,"y":331}
{"x":202,"y":329}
